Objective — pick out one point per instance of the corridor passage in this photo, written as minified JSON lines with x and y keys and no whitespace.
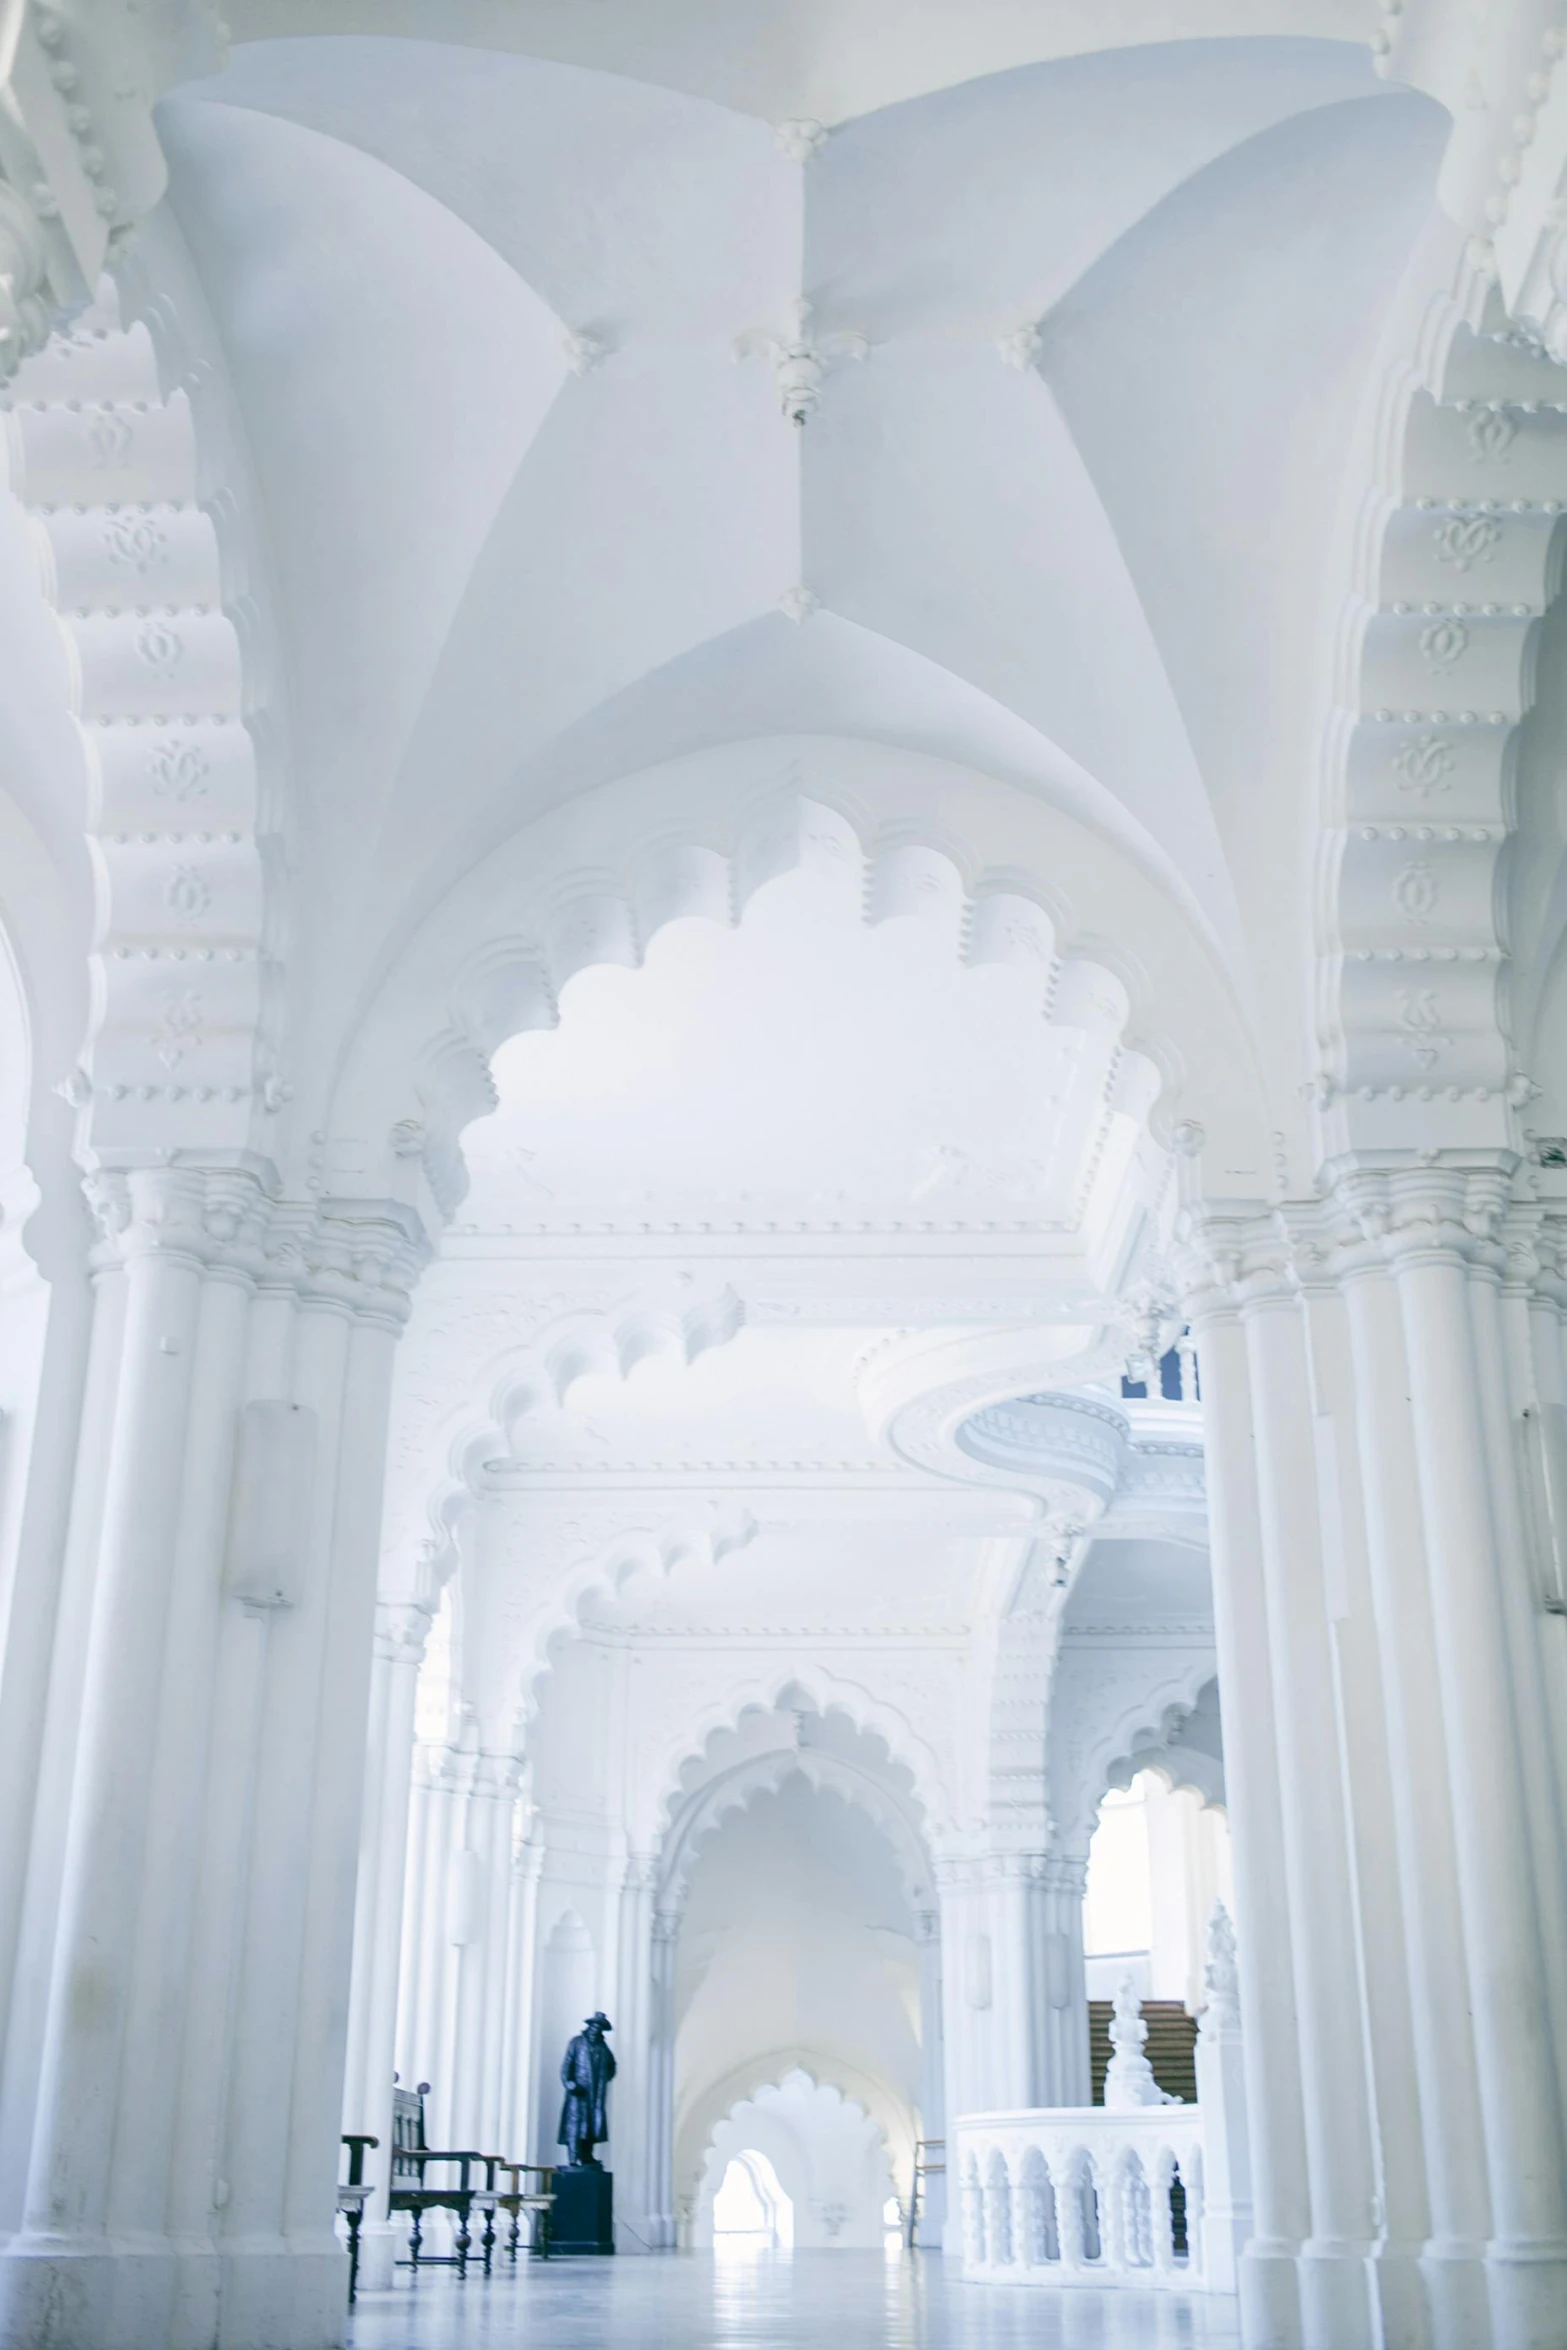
{"x":778,"y":2301}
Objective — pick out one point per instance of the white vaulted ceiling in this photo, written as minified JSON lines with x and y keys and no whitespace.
{"x":831,"y":59}
{"x":1098,"y":572}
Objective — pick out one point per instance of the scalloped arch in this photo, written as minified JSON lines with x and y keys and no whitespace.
{"x":594,"y":879}
{"x":1178,"y":1767}
{"x":699,"y":1818}
{"x":887,"y":2112}
{"x":763,"y":1690}
{"x":1458,"y":557}
{"x":591,"y":919}
{"x":1144,"y":1720}
{"x":437,"y":1474}
{"x":707,"y":1539}
{"x":148,"y":564}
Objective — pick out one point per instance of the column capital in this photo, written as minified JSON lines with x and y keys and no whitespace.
{"x":362,"y":1257}
{"x":490,"y":1774}
{"x":641,"y":1872}
{"x":1447,"y":1206}
{"x":1549,"y":1240}
{"x":1369,"y":1214}
{"x":497,"y":1775}
{"x":1231,"y":1257}
{"x":402,"y":1627}
{"x":211,"y":1218}
{"x":971,"y":1871}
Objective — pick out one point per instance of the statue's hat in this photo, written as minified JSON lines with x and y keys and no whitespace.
{"x":599,"y":2017}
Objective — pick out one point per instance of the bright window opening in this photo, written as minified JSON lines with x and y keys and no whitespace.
{"x":1159,"y":1860}
{"x":751,"y":2212}
{"x":1118,"y":1908}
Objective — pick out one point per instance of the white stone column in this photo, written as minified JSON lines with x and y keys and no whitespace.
{"x":1400,"y":2212}
{"x":1533,"y":1298}
{"x":968,"y":1996}
{"x":1520,"y":2097}
{"x":933,"y":2081}
{"x":276,"y":1900}
{"x":401,"y":1627}
{"x":52,"y":1333}
{"x":1336,"y":2297}
{"x":411,"y":1973}
{"x":522,"y":1995}
{"x":1268,"y":2283}
{"x":426,"y":2008}
{"x":1221,"y":2095}
{"x":62,"y":2282}
{"x":38,"y":1789}
{"x":199,"y":2191}
{"x":279,"y":2236}
{"x":663,"y":1951}
{"x":1528,"y":1629}
{"x":1065,"y":1981}
{"x":1420,"y":1778}
{"x":636,"y":2212}
{"x":1020,"y":1921}
{"x":180,"y":2189}
{"x":483,"y":1865}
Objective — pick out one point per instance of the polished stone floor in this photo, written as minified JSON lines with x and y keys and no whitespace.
{"x":804,"y":2301}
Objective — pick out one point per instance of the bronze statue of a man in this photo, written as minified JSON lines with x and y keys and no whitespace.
{"x":586,"y":2073}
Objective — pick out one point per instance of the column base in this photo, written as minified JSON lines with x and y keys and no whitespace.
{"x":652,"y":2232}
{"x":1336,"y":2310}
{"x":274,"y":2293}
{"x":99,"y":2295}
{"x":382,"y":2244}
{"x":1224,"y":2238}
{"x":1402,"y":2299}
{"x":1268,"y":2284}
{"x":54,"y":2296}
{"x":1528,"y":2296}
{"x":1457,"y":2296}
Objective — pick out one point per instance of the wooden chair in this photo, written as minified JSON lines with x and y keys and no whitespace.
{"x":537,"y":2201}
{"x":471,"y":2189}
{"x":352,"y":2195}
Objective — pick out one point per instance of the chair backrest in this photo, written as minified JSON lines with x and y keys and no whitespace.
{"x":407,"y":2131}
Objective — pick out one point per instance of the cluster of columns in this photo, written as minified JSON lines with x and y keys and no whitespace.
{"x":1015,"y":1998}
{"x":462,"y":1995}
{"x":1394,"y":1690}
{"x":448,"y":1971}
{"x":195,"y":1662}
{"x":191,"y":1662}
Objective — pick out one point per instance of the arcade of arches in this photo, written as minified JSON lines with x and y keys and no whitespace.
{"x":783,"y":1083}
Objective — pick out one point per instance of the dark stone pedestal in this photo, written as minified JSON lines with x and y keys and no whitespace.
{"x":583,"y":2219}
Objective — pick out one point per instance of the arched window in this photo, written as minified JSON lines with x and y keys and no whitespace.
{"x":751,"y":2212}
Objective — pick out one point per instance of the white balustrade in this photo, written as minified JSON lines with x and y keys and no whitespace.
{"x":1084,"y":2195}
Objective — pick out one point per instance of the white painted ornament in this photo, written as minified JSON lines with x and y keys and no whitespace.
{"x":1129,"y":2080}
{"x":801,"y":137}
{"x":800,"y":359}
{"x":1221,"y":1978}
{"x":1021,"y":347}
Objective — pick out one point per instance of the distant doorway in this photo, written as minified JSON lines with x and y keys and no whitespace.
{"x":751,"y":2212}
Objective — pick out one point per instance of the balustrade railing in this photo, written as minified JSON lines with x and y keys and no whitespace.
{"x":1082,"y":2195}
